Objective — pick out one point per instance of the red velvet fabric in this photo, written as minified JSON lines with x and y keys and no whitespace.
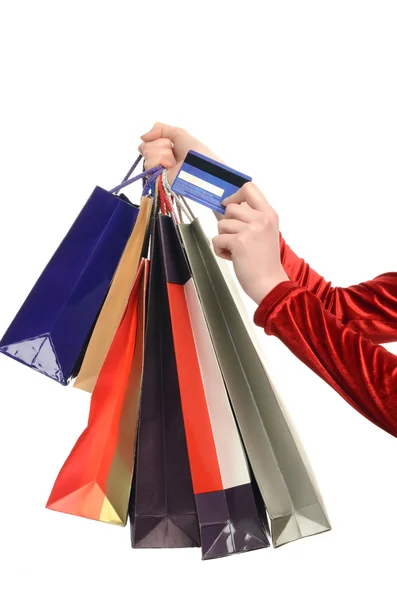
{"x":336,"y":332}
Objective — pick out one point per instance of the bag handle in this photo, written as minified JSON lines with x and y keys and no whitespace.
{"x":154,"y":172}
{"x":136,"y":163}
{"x":167,"y":203}
{"x":181,"y":203}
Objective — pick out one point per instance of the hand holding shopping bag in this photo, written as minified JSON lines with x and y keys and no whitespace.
{"x":186,"y":435}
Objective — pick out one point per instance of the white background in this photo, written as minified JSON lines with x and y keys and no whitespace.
{"x":300,"y":95}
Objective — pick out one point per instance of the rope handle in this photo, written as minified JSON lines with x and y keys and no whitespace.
{"x":167,"y":204}
{"x":154,"y":172}
{"x":181,"y":204}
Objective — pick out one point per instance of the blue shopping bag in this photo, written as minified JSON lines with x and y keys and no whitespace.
{"x":51,"y":330}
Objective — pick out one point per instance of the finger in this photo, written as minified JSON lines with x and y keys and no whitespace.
{"x":225,"y":254}
{"x":240,"y":212}
{"x":161,"y":143}
{"x":230,"y":226}
{"x":250,"y":194}
{"x":236,"y":198}
{"x":161,"y":130}
{"x":164,"y":158}
{"x":222,"y":242}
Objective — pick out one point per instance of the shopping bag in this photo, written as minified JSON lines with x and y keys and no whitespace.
{"x":253,"y":331}
{"x":227,"y":514}
{"x":95,"y":480}
{"x":293,"y":504}
{"x":162,"y":508}
{"x":115,"y":302}
{"x":50,"y":330}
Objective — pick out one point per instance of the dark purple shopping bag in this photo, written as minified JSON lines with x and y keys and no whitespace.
{"x":162,"y":508}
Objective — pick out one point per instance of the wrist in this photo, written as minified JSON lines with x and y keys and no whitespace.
{"x":266,"y":286}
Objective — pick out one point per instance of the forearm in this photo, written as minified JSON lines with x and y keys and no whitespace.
{"x":363,"y":373}
{"x":369,"y":307}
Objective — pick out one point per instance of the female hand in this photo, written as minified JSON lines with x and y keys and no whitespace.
{"x":167,"y":146}
{"x":249,"y":237}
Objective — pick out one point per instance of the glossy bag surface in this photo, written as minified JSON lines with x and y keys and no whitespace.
{"x":95,"y":480}
{"x":50,"y":330}
{"x":293,"y":503}
{"x":162,"y":507}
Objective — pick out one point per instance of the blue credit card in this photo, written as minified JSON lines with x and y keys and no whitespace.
{"x":207,"y":181}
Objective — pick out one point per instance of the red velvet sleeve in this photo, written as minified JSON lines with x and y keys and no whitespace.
{"x":362,"y":372}
{"x":369,"y":307}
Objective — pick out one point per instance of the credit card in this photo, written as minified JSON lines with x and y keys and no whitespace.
{"x":207,"y":181}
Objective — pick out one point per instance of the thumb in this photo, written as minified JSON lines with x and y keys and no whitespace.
{"x":161,"y":130}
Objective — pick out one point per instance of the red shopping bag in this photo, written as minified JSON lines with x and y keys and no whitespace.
{"x":95,"y":480}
